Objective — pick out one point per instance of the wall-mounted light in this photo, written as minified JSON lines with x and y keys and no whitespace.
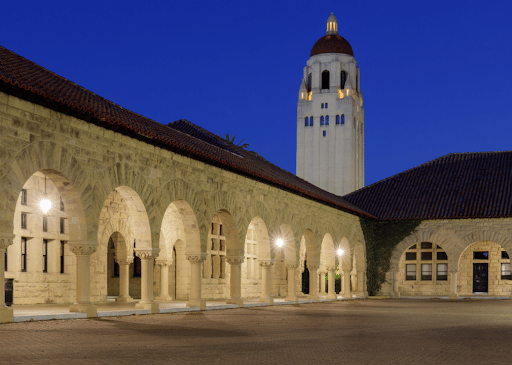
{"x":340,"y":252}
{"x":45,"y":204}
{"x":279,"y":242}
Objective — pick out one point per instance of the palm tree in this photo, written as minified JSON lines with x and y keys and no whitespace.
{"x":240,"y":144}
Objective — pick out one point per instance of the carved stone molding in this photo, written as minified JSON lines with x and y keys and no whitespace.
{"x":83,"y":248}
{"x":266,"y":263}
{"x":6,"y":240}
{"x":291,"y":266}
{"x":329,"y":268}
{"x":312,"y":267}
{"x":147,"y":253}
{"x":126,"y":261}
{"x":235,"y":260}
{"x":196,"y":257}
{"x":163,"y":262}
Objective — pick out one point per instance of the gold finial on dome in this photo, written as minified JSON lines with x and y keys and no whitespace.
{"x":332,"y":25}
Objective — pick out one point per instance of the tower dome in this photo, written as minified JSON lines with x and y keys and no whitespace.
{"x":332,"y":42}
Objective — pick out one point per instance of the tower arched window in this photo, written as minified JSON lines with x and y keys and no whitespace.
{"x":325,"y":80}
{"x":342,"y":119}
{"x":310,"y":121}
{"x":322,"y":120}
{"x":306,"y":122}
{"x":343,"y":79}
{"x":308,"y":84}
{"x":326,"y":120}
{"x":338,"y":119}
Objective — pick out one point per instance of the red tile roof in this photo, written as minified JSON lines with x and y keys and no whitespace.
{"x":27,"y":80}
{"x":331,"y":43}
{"x":455,"y":186}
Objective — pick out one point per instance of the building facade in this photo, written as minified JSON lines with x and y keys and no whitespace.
{"x":330,"y":117}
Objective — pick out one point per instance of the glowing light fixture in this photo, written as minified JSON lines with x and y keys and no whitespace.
{"x":340,"y":252}
{"x":279,"y":242}
{"x":45,"y":204}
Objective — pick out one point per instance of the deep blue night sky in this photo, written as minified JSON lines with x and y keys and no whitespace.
{"x":435,"y":76}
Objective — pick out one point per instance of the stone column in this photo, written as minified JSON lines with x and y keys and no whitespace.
{"x":265,"y":282}
{"x":313,"y":284}
{"x":147,"y":257}
{"x":394,"y":283}
{"x":346,"y":284}
{"x":453,"y":285}
{"x":353,"y":280}
{"x":124,"y":280}
{"x":235,"y":280}
{"x":330,"y":282}
{"x":194,"y":299}
{"x":5,"y":312}
{"x":83,"y":251}
{"x":321,"y":283}
{"x":291,"y":297}
{"x":164,"y":280}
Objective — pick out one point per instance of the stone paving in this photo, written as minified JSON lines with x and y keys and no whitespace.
{"x":387,"y":331}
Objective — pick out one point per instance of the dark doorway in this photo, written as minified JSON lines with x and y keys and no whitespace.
{"x":480,"y":278}
{"x":305,"y":278}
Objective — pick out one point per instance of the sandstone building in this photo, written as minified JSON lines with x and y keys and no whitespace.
{"x":100,"y":203}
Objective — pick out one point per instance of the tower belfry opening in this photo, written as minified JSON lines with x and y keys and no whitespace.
{"x":331,"y":156}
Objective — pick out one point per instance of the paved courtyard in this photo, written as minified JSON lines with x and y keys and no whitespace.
{"x":346,"y":332}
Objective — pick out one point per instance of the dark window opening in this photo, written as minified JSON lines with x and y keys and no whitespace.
{"x":325,"y":80}
{"x":426,"y":271}
{"x":308,"y":85}
{"x":325,"y":133}
{"x":504,"y":255}
{"x":310,"y":121}
{"x":480,"y":255}
{"x":45,"y":224}
{"x":342,"y":119}
{"x":426,"y":256}
{"x":410,"y":255}
{"x":337,"y":119}
{"x":412,"y":247}
{"x":23,"y":196}
{"x":306,"y":121}
{"x":326,"y":105}
{"x":45,"y":255}
{"x":62,"y":243}
{"x":326,"y":120}
{"x":220,"y":229}
{"x":137,"y":267}
{"x":61,"y":205}
{"x":5,"y":260}
{"x":343,"y":79}
{"x":442,"y":256}
{"x":322,"y":105}
{"x":23,"y":220}
{"x":62,"y":225}
{"x":24,"y":254}
{"x":322,"y":120}
{"x":426,"y":245}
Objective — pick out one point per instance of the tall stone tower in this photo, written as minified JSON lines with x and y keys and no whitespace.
{"x":330,"y":116}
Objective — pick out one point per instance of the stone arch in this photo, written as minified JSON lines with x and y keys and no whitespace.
{"x":345,"y":261}
{"x":63,"y":169}
{"x":138,"y":193}
{"x":262,"y":237}
{"x":312,"y":251}
{"x":189,"y":203}
{"x":504,"y":241}
{"x":289,"y":248}
{"x":327,"y":253}
{"x":417,"y":237}
{"x":233,"y":246}
{"x":179,"y":222}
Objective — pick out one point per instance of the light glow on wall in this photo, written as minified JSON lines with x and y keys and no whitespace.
{"x":45,"y":204}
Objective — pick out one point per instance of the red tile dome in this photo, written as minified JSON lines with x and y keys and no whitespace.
{"x":331,"y":43}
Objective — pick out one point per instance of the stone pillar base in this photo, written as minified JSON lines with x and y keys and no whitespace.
{"x":394,"y":295}
{"x":197,"y":303}
{"x":165,"y":298}
{"x":6,"y":315}
{"x":124,"y":299}
{"x":238,"y":302}
{"x":269,"y":300}
{"x":90,"y":309}
{"x":360,"y":294}
{"x":152,"y":306}
{"x":313,"y":297}
{"x":331,"y":296}
{"x":453,"y":296}
{"x":292,"y":299}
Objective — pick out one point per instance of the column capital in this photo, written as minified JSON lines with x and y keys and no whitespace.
{"x":312,"y":267}
{"x":454,"y":270}
{"x":163,"y":262}
{"x":6,"y":240}
{"x":83,"y":248}
{"x":235,"y":260}
{"x":147,"y":253}
{"x":266,"y":263}
{"x":330,"y":268}
{"x":291,"y":266}
{"x":126,"y":261}
{"x":196,"y":257}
